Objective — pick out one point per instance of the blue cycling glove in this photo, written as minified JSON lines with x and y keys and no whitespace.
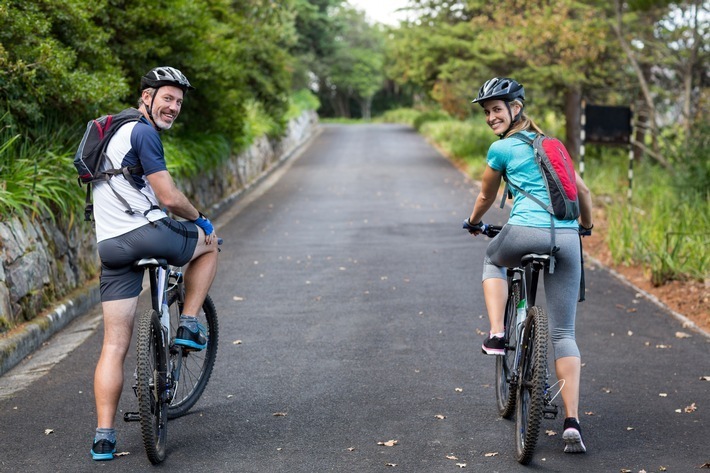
{"x":205,"y":224}
{"x":472,"y":227}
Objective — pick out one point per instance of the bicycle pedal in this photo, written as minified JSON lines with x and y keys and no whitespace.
{"x":550,"y":411}
{"x":131,"y":417}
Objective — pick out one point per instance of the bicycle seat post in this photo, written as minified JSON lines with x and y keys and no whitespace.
{"x":533,"y":263}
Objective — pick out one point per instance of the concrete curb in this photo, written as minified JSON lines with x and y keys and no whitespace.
{"x":25,"y":339}
{"x":28,"y":337}
{"x":685,"y":321}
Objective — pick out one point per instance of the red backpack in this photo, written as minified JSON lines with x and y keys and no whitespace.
{"x":557,"y":169}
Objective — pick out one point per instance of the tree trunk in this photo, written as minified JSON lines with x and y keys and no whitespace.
{"x":573,"y":119}
{"x":643,"y":83}
{"x":366,"y":108}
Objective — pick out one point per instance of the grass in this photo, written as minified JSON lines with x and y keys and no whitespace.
{"x":36,"y":175}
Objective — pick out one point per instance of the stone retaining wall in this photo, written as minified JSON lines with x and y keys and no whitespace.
{"x":42,"y":261}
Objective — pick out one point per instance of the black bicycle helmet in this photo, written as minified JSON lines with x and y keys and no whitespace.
{"x":501,"y":88}
{"x":160,"y":76}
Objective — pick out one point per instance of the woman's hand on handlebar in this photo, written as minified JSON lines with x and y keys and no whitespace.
{"x":473,"y":228}
{"x":585,"y":231}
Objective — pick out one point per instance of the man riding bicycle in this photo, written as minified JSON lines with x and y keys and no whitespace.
{"x":145,"y":231}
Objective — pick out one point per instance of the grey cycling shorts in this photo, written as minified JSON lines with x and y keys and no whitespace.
{"x":166,"y":238}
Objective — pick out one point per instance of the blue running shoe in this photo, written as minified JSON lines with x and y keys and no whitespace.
{"x":103,"y":450}
{"x":189,"y":339}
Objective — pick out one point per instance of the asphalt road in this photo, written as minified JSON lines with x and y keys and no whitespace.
{"x":350,"y":306}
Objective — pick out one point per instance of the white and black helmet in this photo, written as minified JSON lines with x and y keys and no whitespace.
{"x":160,"y":76}
{"x":501,"y":88}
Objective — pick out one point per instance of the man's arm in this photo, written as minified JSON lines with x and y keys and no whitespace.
{"x":170,"y":196}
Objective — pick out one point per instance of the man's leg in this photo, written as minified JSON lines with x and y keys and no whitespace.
{"x":108,"y":378}
{"x":199,"y":274}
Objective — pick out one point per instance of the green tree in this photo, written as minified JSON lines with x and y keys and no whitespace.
{"x":55,"y":61}
{"x":356,"y":68}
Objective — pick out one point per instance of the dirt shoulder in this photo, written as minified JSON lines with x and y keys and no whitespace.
{"x":688,"y":298}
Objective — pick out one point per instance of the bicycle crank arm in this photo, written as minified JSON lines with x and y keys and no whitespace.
{"x":131,"y":417}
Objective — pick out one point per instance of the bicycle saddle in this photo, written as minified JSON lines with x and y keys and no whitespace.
{"x":150,"y":263}
{"x":529,"y":258}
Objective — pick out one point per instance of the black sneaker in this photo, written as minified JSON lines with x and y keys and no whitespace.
{"x":573,"y":436}
{"x":493,"y":346}
{"x":103,"y":450}
{"x":189,"y":339}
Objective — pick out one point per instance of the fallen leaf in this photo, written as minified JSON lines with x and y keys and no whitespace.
{"x":550,"y":433}
{"x":237,"y":342}
{"x":451,"y":457}
{"x":679,"y":411}
{"x":631,"y":310}
{"x":121,"y":454}
{"x":389,"y":443}
{"x":440,"y":416}
{"x":491,"y":454}
{"x":691,"y":408}
{"x":630,"y":428}
{"x":682,"y":335}
{"x":606,"y":390}
{"x":459,"y":390}
{"x":48,"y":431}
{"x":237,"y":298}
{"x":662,"y":468}
{"x":461,"y":465}
{"x":390,"y":464}
{"x":705,"y":378}
{"x":663,"y":394}
{"x":589,"y":413}
{"x":229,"y":396}
{"x":661,"y":346}
{"x":279,"y":414}
{"x":625,"y":470}
{"x":351,"y":449}
{"x":705,"y":465}
{"x":629,"y":333}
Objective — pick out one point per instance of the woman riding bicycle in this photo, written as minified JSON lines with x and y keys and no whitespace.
{"x":528,"y":230}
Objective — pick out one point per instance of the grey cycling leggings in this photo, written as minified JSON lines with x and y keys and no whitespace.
{"x":561,"y":287}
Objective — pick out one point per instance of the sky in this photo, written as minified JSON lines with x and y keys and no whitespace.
{"x":382,"y":11}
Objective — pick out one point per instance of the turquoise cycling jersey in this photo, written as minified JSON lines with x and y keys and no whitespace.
{"x":516,"y":159}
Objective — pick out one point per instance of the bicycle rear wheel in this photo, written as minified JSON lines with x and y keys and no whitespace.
{"x":191,"y":369}
{"x":151,"y":373}
{"x":505,"y":385}
{"x":530,"y":402}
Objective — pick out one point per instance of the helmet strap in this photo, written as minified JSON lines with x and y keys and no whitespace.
{"x":513,"y":119}
{"x":149,"y":109}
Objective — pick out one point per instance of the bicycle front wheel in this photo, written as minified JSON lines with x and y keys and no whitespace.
{"x":191,"y":369}
{"x":531,"y":386}
{"x":505,"y":384}
{"x":151,"y":386}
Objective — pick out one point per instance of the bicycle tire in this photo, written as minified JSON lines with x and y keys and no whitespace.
{"x":505,"y":385}
{"x":531,"y":402}
{"x":195,"y":366}
{"x":151,"y":373}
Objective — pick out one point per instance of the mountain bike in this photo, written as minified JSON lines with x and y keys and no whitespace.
{"x":169,"y":378}
{"x":522,"y":374}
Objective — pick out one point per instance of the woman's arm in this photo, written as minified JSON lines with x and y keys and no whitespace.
{"x":585,"y":203}
{"x":490,"y":183}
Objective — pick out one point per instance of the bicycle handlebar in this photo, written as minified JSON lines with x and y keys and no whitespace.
{"x":485,"y":228}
